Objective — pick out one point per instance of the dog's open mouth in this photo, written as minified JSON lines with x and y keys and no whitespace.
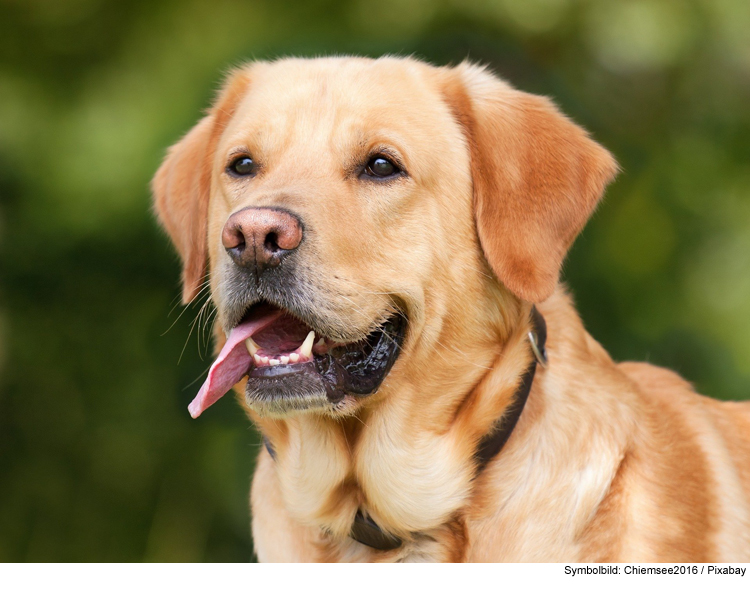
{"x":290,"y":367}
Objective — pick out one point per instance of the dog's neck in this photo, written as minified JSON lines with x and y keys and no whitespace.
{"x":422,"y":432}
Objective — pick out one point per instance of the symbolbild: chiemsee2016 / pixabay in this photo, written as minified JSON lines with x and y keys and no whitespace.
{"x":681,"y":569}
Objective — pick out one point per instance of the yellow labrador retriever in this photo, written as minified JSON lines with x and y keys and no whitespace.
{"x":384,"y":239}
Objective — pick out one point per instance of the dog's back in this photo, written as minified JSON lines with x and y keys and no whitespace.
{"x":700,"y":452}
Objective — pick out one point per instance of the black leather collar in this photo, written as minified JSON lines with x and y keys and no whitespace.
{"x":493,"y":442}
{"x":366,"y":531}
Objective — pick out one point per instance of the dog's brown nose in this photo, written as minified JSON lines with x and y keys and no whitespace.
{"x":261,"y":236}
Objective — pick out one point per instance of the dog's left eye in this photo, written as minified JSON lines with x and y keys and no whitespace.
{"x":242,"y":166}
{"x":381,"y":167}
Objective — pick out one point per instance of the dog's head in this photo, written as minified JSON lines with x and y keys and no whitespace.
{"x":357,"y":214}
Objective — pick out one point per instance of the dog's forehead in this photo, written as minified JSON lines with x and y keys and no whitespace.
{"x":342,"y":100}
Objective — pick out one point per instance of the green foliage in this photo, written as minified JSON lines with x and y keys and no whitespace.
{"x":99,"y":459}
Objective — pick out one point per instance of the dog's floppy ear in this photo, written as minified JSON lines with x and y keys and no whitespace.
{"x":182,"y":185}
{"x":537,"y":178}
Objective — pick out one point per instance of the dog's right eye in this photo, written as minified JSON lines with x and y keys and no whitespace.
{"x":242,"y":166}
{"x":380,"y":167}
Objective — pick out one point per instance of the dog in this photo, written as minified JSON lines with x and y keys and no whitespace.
{"x":384,"y":240}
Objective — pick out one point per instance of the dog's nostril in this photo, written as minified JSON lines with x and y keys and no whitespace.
{"x":240,"y":246}
{"x":233,"y":237}
{"x":272,"y":242}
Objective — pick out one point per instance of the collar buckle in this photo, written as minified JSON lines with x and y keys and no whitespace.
{"x":539,"y":352}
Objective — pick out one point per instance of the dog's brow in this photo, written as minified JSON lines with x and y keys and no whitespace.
{"x":238,"y":151}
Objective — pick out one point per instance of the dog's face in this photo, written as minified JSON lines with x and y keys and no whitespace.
{"x":362,"y":219}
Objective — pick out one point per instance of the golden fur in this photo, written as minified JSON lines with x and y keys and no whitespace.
{"x":609,"y":462}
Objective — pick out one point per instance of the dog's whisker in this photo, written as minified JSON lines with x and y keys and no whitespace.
{"x":208,"y":331}
{"x":206,"y":305}
{"x":199,"y":319}
{"x":187,"y":339}
{"x":175,"y":303}
{"x":184,"y":309}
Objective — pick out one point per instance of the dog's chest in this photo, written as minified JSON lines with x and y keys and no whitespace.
{"x":408,"y":487}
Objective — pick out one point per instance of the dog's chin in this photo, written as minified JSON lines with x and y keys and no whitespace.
{"x":284,"y":390}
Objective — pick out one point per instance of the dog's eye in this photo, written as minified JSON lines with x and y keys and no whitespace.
{"x":381,"y":167}
{"x":242,"y":166}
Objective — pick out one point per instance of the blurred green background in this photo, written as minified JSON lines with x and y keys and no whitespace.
{"x":99,"y":460}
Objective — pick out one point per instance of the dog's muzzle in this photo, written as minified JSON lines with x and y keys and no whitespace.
{"x":290,"y":368}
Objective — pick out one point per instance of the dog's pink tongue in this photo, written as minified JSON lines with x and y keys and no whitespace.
{"x":230,"y":366}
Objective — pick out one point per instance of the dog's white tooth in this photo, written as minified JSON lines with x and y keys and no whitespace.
{"x":321,"y":342}
{"x":252,"y":346}
{"x":264,"y":359}
{"x":273,"y":362}
{"x":258,"y":359}
{"x":293,"y":357}
{"x":284,"y":359}
{"x":306,"y":349}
